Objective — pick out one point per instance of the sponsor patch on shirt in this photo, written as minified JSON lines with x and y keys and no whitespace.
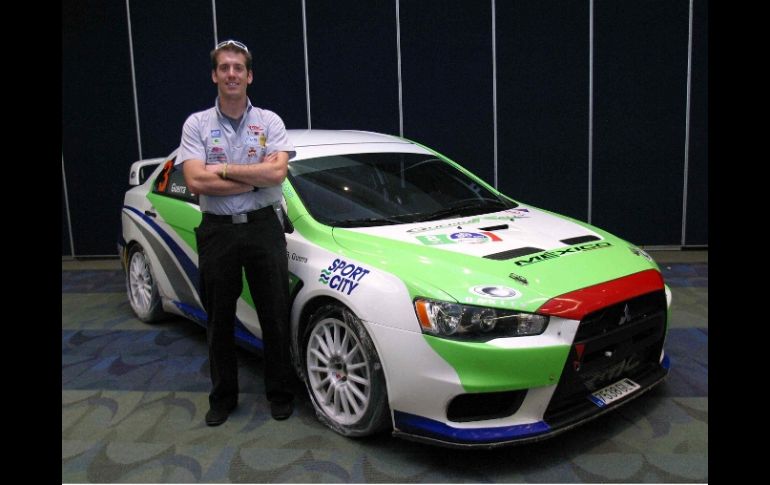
{"x":216,"y":133}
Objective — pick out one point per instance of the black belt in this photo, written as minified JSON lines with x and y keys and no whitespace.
{"x":259,"y":214}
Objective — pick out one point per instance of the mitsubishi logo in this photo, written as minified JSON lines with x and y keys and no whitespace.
{"x":626,"y":316}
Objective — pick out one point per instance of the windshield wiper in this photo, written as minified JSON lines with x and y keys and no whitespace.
{"x":366,"y":222}
{"x":460,"y":208}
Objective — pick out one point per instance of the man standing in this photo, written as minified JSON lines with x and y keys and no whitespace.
{"x":235,"y":158}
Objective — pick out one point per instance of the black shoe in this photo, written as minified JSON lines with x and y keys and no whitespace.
{"x":281,"y":410}
{"x":215,"y":417}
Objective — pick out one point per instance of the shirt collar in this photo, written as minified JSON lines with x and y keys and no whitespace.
{"x":219,"y":112}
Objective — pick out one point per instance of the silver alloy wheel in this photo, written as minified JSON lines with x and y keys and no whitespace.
{"x":338,"y":371}
{"x":140,"y":283}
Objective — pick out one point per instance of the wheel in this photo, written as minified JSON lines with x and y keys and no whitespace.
{"x":141,"y":287}
{"x":343,"y":373}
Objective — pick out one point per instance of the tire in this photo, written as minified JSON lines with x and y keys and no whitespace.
{"x":143,"y":295}
{"x":343,"y":373}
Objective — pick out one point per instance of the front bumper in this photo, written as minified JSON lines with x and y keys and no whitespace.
{"x":554,"y":375}
{"x":421,"y":429}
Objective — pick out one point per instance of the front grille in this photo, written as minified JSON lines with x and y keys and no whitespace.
{"x":606,"y":320}
{"x":619,"y":341}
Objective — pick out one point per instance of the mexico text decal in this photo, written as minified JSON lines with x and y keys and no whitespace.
{"x":561,"y":252}
{"x":342,"y":276}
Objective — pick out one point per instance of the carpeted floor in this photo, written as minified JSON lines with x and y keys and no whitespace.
{"x":134,"y":396}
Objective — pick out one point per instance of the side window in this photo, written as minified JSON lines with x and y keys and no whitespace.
{"x":170,"y":182}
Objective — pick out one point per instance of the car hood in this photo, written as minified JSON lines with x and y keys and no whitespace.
{"x":516,"y":258}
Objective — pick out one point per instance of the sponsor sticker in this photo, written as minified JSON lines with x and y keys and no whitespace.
{"x":463,"y":237}
{"x":443,"y":226}
{"x":495,"y":291}
{"x":296,"y":257}
{"x":511,"y":216}
{"x":343,"y":276}
{"x":468,"y":237}
{"x":519,"y":212}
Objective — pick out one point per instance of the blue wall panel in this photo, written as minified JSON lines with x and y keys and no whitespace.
{"x":639,"y":118}
{"x":272,"y":30}
{"x":640,"y":88}
{"x":446,"y":55}
{"x":98,"y":129}
{"x":353,"y":65}
{"x":172,"y":41}
{"x":542,"y":103}
{"x":697,"y":183}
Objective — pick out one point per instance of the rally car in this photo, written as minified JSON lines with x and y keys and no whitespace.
{"x":423,"y":300}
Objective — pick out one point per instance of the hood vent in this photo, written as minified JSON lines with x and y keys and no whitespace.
{"x":494,"y":228}
{"x":579,"y":239}
{"x":513,"y":253}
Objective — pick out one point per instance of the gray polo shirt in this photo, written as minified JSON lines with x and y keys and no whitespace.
{"x":207,"y":135}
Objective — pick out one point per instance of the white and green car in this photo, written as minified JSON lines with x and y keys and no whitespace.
{"x":423,"y":300}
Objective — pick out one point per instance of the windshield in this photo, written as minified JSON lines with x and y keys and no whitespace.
{"x":368,"y":189}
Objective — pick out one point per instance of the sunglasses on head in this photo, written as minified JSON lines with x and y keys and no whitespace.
{"x":237,"y":44}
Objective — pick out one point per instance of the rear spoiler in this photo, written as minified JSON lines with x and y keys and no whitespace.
{"x":142,"y":169}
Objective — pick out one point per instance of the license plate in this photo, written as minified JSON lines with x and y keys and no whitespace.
{"x":613,"y":392}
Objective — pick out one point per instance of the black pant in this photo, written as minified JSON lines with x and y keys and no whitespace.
{"x":259,"y":247}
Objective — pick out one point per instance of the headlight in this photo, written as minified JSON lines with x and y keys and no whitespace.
{"x":453,"y":320}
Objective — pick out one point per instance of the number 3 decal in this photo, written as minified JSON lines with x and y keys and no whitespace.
{"x":164,"y":176}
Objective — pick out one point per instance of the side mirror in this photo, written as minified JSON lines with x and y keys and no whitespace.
{"x":288,"y":227}
{"x":283,"y":216}
{"x":142,"y":169}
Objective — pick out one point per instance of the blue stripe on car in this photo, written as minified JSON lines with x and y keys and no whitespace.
{"x":421,"y":426}
{"x":187,"y":265}
{"x":241,"y":333}
{"x":191,"y":269}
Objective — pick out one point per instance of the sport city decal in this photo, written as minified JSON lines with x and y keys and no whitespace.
{"x":561,"y":252}
{"x":343,"y":276}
